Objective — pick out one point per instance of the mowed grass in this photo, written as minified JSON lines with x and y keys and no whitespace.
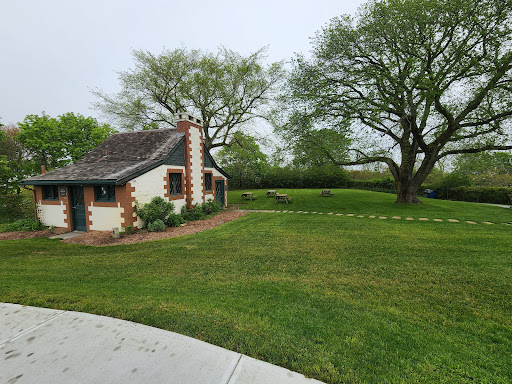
{"x":340,"y":299}
{"x":373,"y":203}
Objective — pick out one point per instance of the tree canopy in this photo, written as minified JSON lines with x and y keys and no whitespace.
{"x":226,"y":90}
{"x":243,"y":161}
{"x":412,"y":82}
{"x":55,"y":142}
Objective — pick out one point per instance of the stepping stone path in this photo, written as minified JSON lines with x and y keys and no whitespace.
{"x":381,"y":217}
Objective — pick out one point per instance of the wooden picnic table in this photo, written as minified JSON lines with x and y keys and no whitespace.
{"x":248,"y":196}
{"x":282,"y":197}
{"x":326,"y":192}
{"x":271,"y":192}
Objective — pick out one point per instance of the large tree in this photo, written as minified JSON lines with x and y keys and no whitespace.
{"x":226,"y":90}
{"x":243,"y":161}
{"x":415,"y":81}
{"x":55,"y":142}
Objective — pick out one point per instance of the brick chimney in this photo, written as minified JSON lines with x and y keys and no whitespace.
{"x":194,"y":157}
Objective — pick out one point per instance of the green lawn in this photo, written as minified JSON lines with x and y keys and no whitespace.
{"x":373,"y":203}
{"x":340,"y":299}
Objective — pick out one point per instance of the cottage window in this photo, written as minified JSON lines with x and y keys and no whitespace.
{"x":207,"y":181}
{"x":50,"y":192}
{"x":175,"y":184}
{"x":106,"y":193}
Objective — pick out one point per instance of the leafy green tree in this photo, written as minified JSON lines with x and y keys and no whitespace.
{"x":15,"y":156}
{"x":226,"y":90}
{"x":243,"y":160}
{"x":412,"y":82}
{"x":493,"y":169}
{"x":55,"y":142}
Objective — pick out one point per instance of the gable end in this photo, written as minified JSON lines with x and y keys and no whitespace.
{"x":177,"y":154}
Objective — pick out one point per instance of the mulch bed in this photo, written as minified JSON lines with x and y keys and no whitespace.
{"x":103,"y":238}
{"x":30,"y":235}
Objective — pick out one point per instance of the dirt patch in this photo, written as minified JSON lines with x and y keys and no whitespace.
{"x":102,"y":238}
{"x":29,"y":235}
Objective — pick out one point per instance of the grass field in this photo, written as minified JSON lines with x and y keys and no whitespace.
{"x":373,"y":203}
{"x":337,"y":298}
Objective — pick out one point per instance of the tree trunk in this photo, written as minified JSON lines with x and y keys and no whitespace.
{"x":406,"y":193}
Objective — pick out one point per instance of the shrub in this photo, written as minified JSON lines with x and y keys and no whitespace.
{"x":158,"y":209}
{"x":194,"y":213}
{"x":128,"y":230}
{"x":16,"y":206}
{"x":211,"y":206}
{"x":156,"y":226}
{"x":24,"y":225}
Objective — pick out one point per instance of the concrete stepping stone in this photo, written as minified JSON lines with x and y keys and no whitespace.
{"x":383,"y":217}
{"x":423,"y":219}
{"x":396,"y":217}
{"x":320,"y":213}
{"x":339,"y":214}
{"x":409,"y":218}
{"x":350,"y":214}
{"x":438,"y":220}
{"x":372,"y":216}
{"x":471,"y":222}
{"x":331,"y":213}
{"x":360,"y":216}
{"x":453,"y":221}
{"x":314,"y":212}
{"x":488,"y":222}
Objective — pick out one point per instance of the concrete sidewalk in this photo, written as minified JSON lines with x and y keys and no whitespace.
{"x":40,"y":345}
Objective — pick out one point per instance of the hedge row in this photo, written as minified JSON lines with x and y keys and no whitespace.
{"x":493,"y":195}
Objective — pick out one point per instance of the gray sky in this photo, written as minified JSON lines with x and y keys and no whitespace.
{"x":54,"y":51}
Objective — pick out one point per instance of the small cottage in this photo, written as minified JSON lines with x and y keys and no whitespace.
{"x":99,"y":191}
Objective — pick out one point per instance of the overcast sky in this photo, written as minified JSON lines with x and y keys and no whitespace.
{"x":54,"y":51}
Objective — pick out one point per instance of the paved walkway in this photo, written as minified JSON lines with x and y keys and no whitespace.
{"x":40,"y":345}
{"x":377,"y":216}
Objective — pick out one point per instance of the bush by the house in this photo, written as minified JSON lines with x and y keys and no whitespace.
{"x":211,"y":206}
{"x":156,"y":226}
{"x":24,"y":225}
{"x":193,"y":213}
{"x":200,"y":211}
{"x":158,"y":209}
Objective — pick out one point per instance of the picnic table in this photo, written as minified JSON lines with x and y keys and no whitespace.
{"x":326,"y":192}
{"x":282,"y":197}
{"x":271,"y":192}
{"x":248,"y":196}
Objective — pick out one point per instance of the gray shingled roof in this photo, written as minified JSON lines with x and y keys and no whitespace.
{"x":117,"y":160}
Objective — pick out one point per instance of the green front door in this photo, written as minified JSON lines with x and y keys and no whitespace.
{"x":219,"y":191}
{"x":78,"y":208}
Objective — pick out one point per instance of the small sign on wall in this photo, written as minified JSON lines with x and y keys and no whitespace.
{"x":62,"y":191}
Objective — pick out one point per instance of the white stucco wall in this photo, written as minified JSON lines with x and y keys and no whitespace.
{"x":152,"y":184}
{"x":196,"y":167}
{"x":52,"y":214}
{"x":106,"y":218}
